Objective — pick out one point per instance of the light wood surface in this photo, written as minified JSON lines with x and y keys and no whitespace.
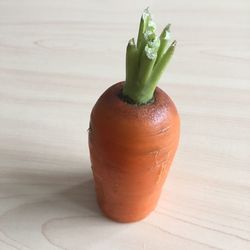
{"x":56,"y":58}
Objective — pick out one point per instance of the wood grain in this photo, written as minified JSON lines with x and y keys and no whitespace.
{"x":56,"y":58}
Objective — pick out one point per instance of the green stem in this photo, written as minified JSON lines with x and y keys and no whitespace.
{"x":143,"y":25}
{"x":164,"y":39}
{"x":159,"y":69}
{"x":131,"y":66}
{"x":147,"y":62}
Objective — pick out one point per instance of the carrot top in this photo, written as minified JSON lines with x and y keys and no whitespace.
{"x":146,"y":61}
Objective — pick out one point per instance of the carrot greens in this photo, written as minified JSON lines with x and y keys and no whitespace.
{"x":146,"y":60}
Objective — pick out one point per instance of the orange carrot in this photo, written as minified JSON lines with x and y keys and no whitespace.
{"x":132,"y":142}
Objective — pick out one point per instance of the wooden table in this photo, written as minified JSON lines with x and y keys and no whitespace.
{"x":56,"y":58}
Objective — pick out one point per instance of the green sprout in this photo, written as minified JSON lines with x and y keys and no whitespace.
{"x":146,"y":61}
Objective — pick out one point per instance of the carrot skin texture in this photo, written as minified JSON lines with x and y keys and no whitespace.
{"x":131,"y":150}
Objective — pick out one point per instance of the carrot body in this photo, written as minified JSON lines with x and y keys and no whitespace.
{"x":131,"y":150}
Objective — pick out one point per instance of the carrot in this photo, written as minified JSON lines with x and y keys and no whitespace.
{"x":134,"y":131}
